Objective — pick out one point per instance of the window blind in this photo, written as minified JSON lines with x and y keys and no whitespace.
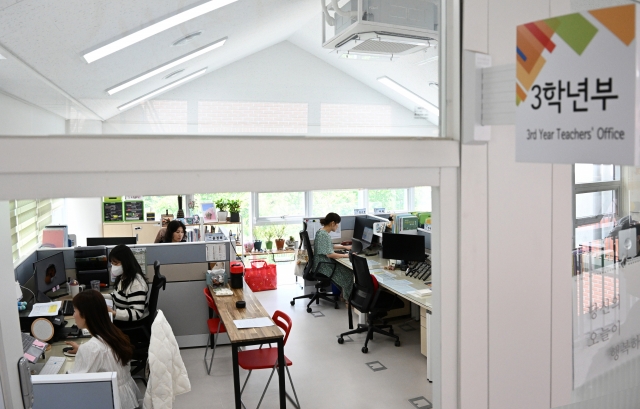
{"x":28,"y":218}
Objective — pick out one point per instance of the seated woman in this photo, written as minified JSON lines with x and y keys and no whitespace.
{"x":130,"y":295}
{"x":173,"y":233}
{"x":323,"y":252}
{"x":108,"y":351}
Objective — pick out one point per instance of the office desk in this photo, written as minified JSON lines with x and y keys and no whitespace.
{"x":250,"y":336}
{"x":414,"y":284}
{"x":56,"y":350}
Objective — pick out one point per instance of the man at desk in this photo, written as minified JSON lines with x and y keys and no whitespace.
{"x":108,"y":351}
{"x":323,"y":251}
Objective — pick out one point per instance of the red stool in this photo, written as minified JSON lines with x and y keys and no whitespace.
{"x":215,"y":327}
{"x":265,"y":358}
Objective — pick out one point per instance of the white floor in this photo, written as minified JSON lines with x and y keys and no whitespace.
{"x":325,"y":373}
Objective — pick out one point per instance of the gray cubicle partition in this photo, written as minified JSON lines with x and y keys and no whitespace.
{"x":183,"y":264}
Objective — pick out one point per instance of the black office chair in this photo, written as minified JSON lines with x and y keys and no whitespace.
{"x":321,"y":280}
{"x":369,"y":299}
{"x":140,"y":334}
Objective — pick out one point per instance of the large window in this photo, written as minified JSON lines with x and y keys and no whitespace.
{"x":27,"y":219}
{"x":392,"y":200}
{"x":162,"y":205}
{"x":596,"y":198}
{"x":338,"y":201}
{"x":280,"y":206}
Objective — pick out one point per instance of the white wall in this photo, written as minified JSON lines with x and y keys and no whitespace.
{"x":281,"y":73}
{"x":83,"y":216}
{"x":515,"y":308}
{"x":19,"y":118}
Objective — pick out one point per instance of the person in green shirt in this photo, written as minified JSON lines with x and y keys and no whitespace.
{"x":323,"y":252}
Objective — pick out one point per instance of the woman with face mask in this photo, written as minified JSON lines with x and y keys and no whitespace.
{"x":130,"y":295}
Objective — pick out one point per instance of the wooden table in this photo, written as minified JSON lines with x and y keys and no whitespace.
{"x":249,"y":336}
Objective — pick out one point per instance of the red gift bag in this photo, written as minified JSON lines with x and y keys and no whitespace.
{"x":261,"y":276}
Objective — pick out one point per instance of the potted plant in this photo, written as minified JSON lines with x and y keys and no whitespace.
{"x":269,"y":233}
{"x":292,"y":243}
{"x":257,"y":243}
{"x":221,"y":205}
{"x":234,"y":210}
{"x":279,"y":232}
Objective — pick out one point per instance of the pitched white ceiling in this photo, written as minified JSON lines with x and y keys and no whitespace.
{"x":44,"y":40}
{"x":51,"y":37}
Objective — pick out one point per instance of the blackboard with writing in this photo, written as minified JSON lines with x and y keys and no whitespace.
{"x":134,"y":211}
{"x":112,"y":212}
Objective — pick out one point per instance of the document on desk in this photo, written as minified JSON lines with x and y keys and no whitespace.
{"x":420,"y":293}
{"x":253,"y":323}
{"x":45,"y":309}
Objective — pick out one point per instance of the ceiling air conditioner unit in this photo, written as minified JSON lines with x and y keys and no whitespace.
{"x":379,"y":29}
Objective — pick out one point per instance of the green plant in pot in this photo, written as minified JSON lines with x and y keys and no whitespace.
{"x":221,"y":205}
{"x":279,"y":233}
{"x":257,"y":243}
{"x":269,"y":233}
{"x":234,"y":210}
{"x":292,"y":243}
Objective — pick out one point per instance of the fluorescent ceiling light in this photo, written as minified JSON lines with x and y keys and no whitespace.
{"x":155,"y":29}
{"x":168,"y":66}
{"x":410,"y":95}
{"x":2,"y":57}
{"x":161,"y":90}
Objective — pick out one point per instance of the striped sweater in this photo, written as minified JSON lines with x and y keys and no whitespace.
{"x":130,"y":303}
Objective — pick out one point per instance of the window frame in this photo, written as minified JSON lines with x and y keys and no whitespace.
{"x":593,"y":187}
{"x":363,"y":201}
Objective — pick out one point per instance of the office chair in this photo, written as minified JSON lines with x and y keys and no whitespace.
{"x":141,"y":331}
{"x":265,"y":358}
{"x":321,"y":280}
{"x":369,"y":299}
{"x":215,"y":327}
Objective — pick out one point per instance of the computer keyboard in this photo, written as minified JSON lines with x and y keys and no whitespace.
{"x":419,"y":270}
{"x":67,"y":308}
{"x":53,"y":365}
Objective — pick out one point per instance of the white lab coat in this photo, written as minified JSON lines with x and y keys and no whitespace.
{"x":167,"y":374}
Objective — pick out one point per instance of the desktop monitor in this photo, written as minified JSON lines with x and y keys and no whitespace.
{"x":110,"y":241}
{"x":49,"y":273}
{"x":76,"y":391}
{"x":362,"y":223}
{"x":403,"y":247}
{"x":367,"y":234}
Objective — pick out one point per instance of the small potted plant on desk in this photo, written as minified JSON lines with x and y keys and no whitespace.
{"x":279,"y":232}
{"x":257,"y":243}
{"x":269,"y":233}
{"x":221,"y":205}
{"x":292,"y":243}
{"x":234,"y":210}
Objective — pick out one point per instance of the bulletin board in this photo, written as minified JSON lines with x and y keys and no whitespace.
{"x":134,"y":210}
{"x":112,"y":212}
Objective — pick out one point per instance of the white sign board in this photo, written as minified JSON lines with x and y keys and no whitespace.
{"x":576,"y":88}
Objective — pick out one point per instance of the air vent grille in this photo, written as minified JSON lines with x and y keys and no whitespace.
{"x":377,"y":46}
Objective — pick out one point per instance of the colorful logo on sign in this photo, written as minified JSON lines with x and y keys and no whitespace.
{"x":575,"y":30}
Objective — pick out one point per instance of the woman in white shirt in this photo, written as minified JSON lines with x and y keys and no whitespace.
{"x":130,"y":295}
{"x":108,"y":351}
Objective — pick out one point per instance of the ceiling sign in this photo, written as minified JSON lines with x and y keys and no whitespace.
{"x":576,"y":88}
